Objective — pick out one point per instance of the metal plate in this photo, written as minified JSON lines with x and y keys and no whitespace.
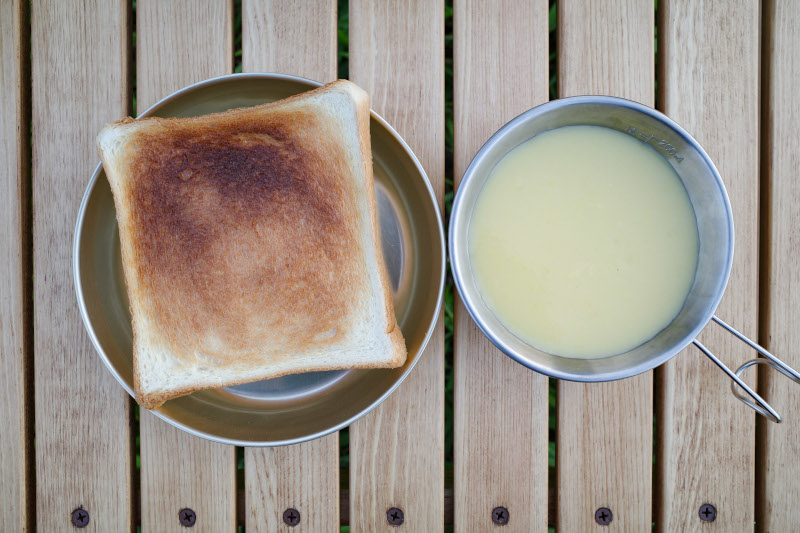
{"x":293,"y":408}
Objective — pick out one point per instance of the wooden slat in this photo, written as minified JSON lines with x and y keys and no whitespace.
{"x":604,"y":431}
{"x":16,"y":438}
{"x":397,"y":451}
{"x":778,"y":470}
{"x":501,"y":70}
{"x":304,"y":477}
{"x":179,"y":43}
{"x":298,"y":39}
{"x":709,"y":83}
{"x":83,"y":456}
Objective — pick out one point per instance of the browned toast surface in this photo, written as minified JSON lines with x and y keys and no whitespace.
{"x":249,"y":241}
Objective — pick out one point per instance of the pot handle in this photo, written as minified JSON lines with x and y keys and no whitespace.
{"x":760,"y":405}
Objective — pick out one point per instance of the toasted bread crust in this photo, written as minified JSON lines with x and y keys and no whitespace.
{"x":156,"y":400}
{"x":240,"y":238}
{"x":366,"y":155}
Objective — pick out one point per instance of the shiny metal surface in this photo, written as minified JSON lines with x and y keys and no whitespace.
{"x":706,"y":192}
{"x":293,"y":408}
{"x":761,"y":406}
{"x":714,"y":223}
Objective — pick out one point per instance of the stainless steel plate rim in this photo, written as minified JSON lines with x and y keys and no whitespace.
{"x":194,"y":431}
{"x":459,"y":227}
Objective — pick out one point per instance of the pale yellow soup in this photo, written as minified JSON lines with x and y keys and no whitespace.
{"x":583,"y":242}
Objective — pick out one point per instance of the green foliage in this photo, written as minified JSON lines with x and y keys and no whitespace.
{"x":447,"y":308}
{"x":344,"y":450}
{"x":343,"y":39}
{"x":237,"y":35}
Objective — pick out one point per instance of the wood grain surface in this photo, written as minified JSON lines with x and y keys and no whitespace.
{"x":709,"y":447}
{"x":304,"y":477}
{"x":180,"y":43}
{"x":16,"y":437}
{"x":777,"y":469}
{"x":79,"y":60}
{"x":709,"y":83}
{"x":604,"y":431}
{"x":501,"y":408}
{"x":397,"y":450}
{"x":298,"y":39}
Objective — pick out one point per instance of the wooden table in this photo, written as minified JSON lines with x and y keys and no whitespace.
{"x":651,"y":449}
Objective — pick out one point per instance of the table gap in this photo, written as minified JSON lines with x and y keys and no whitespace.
{"x":26,"y":223}
{"x":342,"y":39}
{"x":449,"y":400}
{"x":655,"y":475}
{"x":552,"y":399}
{"x":135,"y":445}
{"x":241,"y":493}
{"x":343,"y":72}
{"x":764,"y":255}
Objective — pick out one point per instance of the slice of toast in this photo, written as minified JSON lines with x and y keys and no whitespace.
{"x":250,"y":243}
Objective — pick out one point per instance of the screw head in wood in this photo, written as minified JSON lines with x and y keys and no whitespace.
{"x":291,"y":517}
{"x":187,"y":517}
{"x":603,"y":516}
{"x":395,"y":516}
{"x":707,"y":512}
{"x":80,"y":518}
{"x":500,"y":516}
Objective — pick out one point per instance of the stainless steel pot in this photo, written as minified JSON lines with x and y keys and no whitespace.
{"x":714,"y":223}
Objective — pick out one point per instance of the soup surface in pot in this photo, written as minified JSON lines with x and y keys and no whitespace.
{"x":583,"y":242}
